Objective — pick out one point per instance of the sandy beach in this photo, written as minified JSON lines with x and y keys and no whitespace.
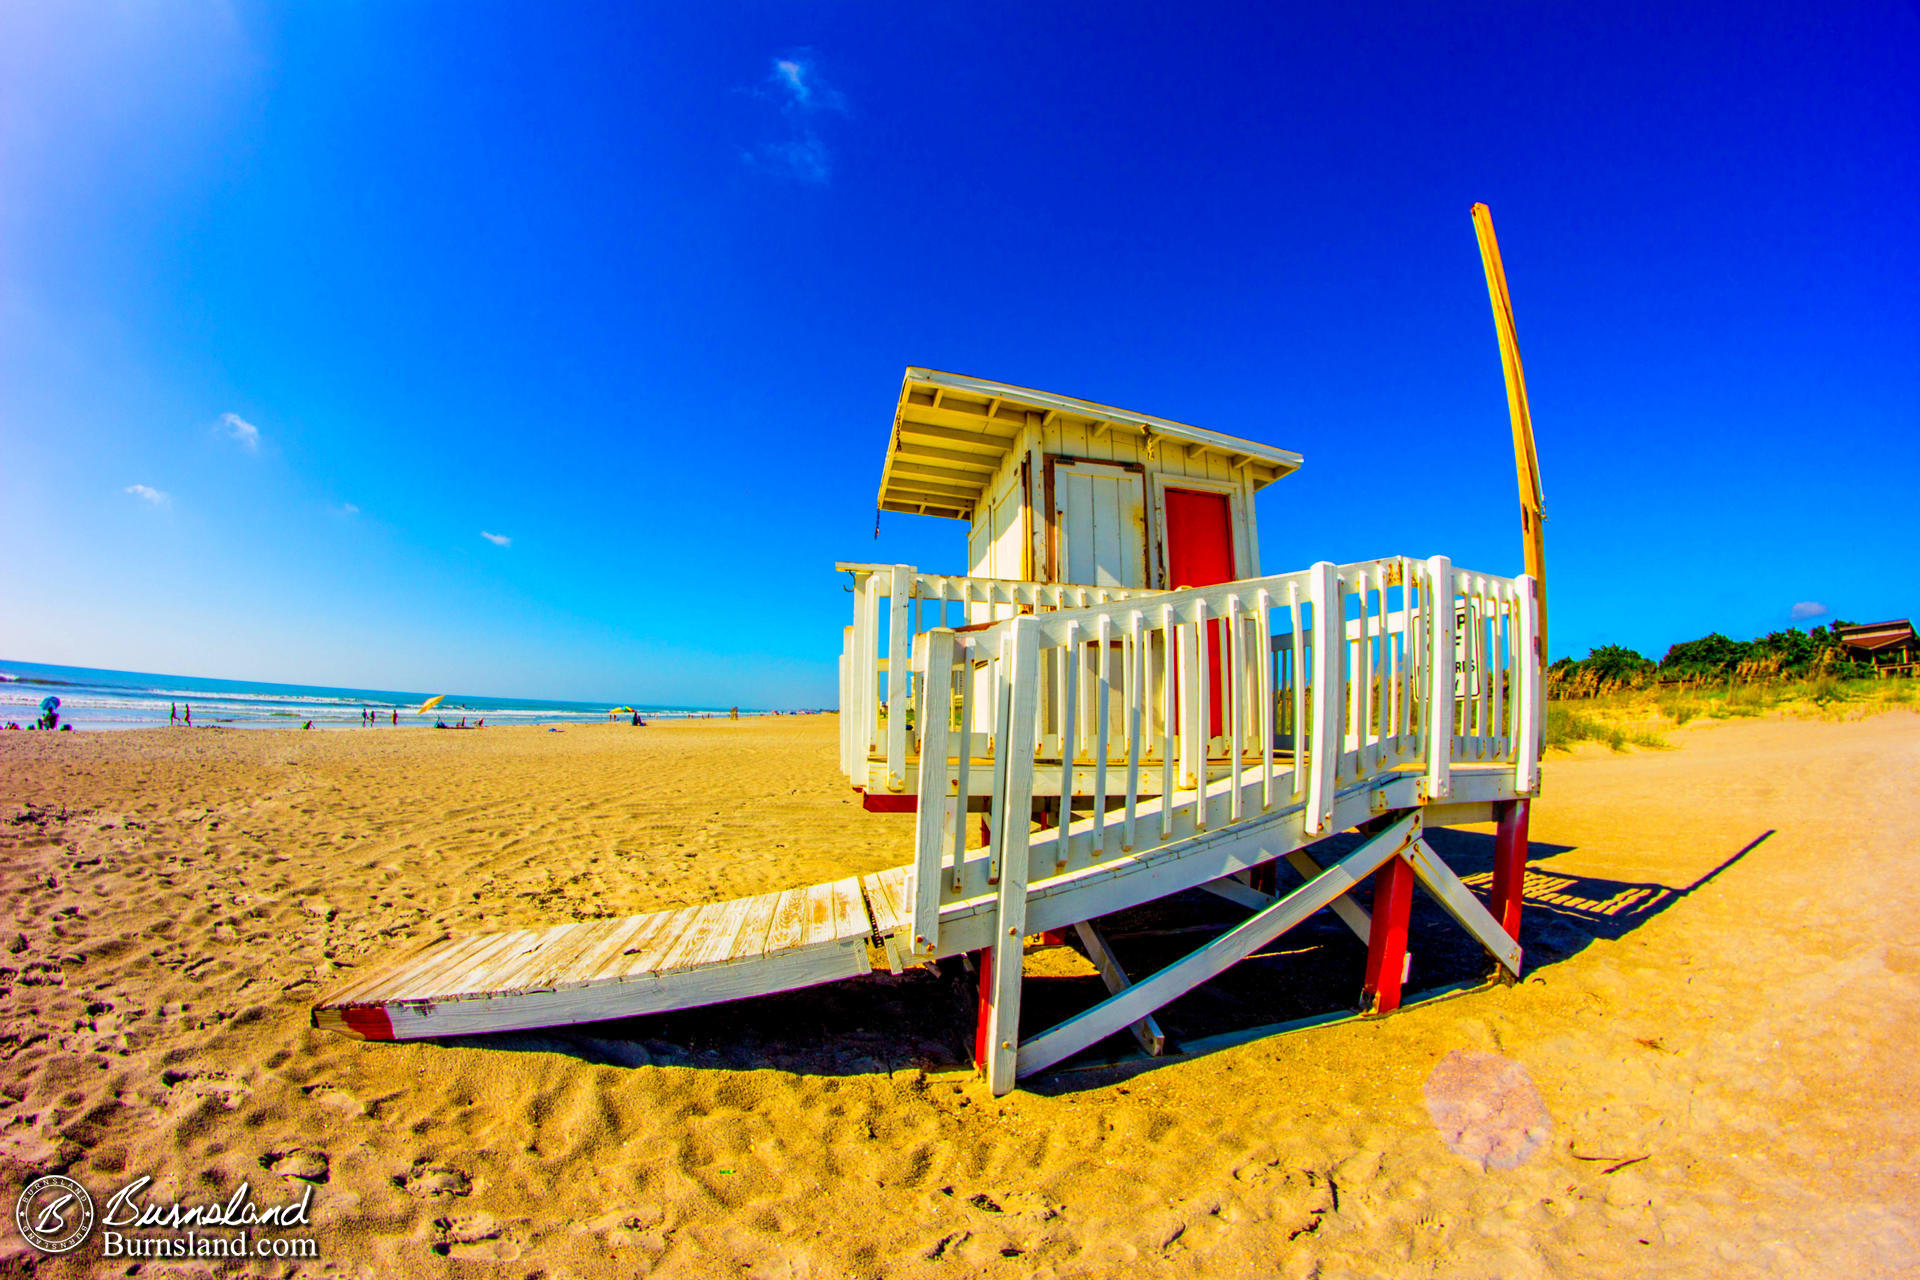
{"x":1715,"y":1034}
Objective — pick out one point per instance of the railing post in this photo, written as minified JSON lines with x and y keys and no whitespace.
{"x":933,"y":825}
{"x":1441,"y":678}
{"x":1186,"y":655}
{"x":1329,"y":694}
{"x":866,"y":624}
{"x":846,"y":701}
{"x":899,"y":672}
{"x":1529,"y":662}
{"x":1003,"y":1013}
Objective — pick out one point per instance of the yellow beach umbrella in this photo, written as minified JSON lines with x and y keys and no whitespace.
{"x":430,"y":704}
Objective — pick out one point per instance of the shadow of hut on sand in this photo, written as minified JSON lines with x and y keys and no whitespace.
{"x":922,"y":1020}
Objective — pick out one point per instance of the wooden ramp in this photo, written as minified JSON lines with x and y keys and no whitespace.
{"x":594,"y":970}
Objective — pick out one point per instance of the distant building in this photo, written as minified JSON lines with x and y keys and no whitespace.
{"x":1891,"y":647}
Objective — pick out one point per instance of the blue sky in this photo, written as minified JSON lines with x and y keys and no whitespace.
{"x":298,"y":303}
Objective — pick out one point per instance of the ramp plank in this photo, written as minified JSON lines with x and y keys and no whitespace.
{"x":887,"y":898}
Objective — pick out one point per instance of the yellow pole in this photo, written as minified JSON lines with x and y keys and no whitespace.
{"x":1525,"y":462}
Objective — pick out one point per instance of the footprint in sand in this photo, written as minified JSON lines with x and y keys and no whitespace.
{"x":429,"y":1180}
{"x":303,"y":1163}
{"x":190,"y":1087}
{"x":334,"y":1098}
{"x":1487,"y":1109}
{"x":477,"y":1236}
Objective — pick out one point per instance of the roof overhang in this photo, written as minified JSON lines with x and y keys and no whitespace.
{"x":951,"y":433}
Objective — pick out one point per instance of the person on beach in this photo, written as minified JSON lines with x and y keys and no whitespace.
{"x":307,"y":725}
{"x":188,"y":713}
{"x":173,"y":713}
{"x":396,"y":717}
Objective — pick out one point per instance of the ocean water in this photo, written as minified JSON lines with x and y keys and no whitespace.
{"x":96,"y":699}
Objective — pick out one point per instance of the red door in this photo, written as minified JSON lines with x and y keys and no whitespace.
{"x":1200,"y":554}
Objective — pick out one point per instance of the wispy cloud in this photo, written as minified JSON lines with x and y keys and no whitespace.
{"x":238,"y":428}
{"x":497,"y":539}
{"x":805,"y":158}
{"x":1808,"y":609}
{"x":348,"y":509}
{"x":794,"y":82}
{"x":149,"y":495}
{"x":798,"y":78}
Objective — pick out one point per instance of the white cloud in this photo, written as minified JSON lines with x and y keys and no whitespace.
{"x":792,"y":73}
{"x":348,"y":509}
{"x":497,"y":539}
{"x":795,"y":77}
{"x":796,"y":85}
{"x":238,"y":428}
{"x":149,"y":495}
{"x":1808,"y":609}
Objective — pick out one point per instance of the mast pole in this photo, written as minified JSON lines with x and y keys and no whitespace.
{"x":1526,"y":464}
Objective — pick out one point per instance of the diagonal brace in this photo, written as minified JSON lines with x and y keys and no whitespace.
{"x":1253,"y":933}
{"x":1146,"y":1031}
{"x":1437,"y":878}
{"x":1237,"y":891}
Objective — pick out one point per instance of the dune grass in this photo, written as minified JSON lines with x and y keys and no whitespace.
{"x":1635,"y":717}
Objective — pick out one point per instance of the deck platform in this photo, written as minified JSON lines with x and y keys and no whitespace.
{"x":615,"y":968}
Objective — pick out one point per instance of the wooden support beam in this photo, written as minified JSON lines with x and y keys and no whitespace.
{"x":953,"y":435}
{"x":1458,"y":901}
{"x":1350,"y":912}
{"x":1245,"y":892}
{"x":1510,"y":866}
{"x":983,"y":1010}
{"x":1146,"y":1030}
{"x":1387,"y":943}
{"x":1236,"y":944}
{"x":1239,"y":892}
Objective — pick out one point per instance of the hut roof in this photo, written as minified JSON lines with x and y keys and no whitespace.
{"x":951,"y":432}
{"x":1876,"y":635}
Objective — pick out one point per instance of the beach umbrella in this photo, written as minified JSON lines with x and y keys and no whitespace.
{"x":49,"y":703}
{"x":430,"y":704}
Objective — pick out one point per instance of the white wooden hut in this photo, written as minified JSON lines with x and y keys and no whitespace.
{"x":1129,"y":705}
{"x":1055,"y":489}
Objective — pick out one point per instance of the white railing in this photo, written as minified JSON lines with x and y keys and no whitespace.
{"x":1171,"y":714}
{"x":893,"y":604}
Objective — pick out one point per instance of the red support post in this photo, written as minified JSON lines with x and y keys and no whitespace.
{"x":1387,"y":944}
{"x":983,"y":961}
{"x":1510,"y":867}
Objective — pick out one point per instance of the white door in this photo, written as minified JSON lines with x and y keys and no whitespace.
{"x":1101,"y":513}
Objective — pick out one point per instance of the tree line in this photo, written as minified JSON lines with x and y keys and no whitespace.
{"x":1713,"y":658}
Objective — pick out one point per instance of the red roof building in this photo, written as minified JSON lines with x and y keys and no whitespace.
{"x":1891,"y":647}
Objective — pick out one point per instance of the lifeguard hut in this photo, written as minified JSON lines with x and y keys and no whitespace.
{"x":1056,"y":492}
{"x":1128,"y":707}
{"x":1114,"y":705}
